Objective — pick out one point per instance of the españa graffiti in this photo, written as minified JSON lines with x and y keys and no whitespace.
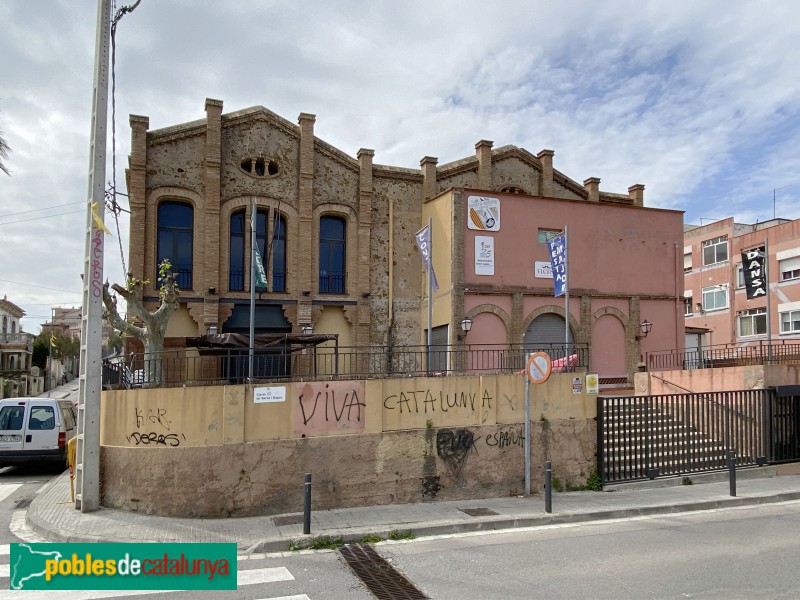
{"x":427,"y":401}
{"x":506,"y":438}
{"x":330,"y":406}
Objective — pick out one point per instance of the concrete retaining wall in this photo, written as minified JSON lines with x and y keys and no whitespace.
{"x":215,"y":452}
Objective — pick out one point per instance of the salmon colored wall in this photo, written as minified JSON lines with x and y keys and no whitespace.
{"x":610,"y":247}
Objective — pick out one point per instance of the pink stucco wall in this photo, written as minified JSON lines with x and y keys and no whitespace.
{"x":626,"y":260}
{"x":611,"y":248}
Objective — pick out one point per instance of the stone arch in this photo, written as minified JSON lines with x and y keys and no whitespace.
{"x":490,"y":308}
{"x":574,"y":325}
{"x":610,"y":310}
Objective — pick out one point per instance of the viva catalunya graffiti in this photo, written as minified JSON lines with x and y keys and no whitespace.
{"x":425,"y":401}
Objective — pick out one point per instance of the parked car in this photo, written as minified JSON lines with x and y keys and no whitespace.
{"x":35,"y":430}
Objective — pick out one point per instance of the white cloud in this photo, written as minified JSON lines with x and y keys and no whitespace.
{"x":698,"y":101}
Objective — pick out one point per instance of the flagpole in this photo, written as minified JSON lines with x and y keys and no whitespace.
{"x":253,"y":250}
{"x":566,"y":299}
{"x":430,"y":294}
{"x":769,"y":320}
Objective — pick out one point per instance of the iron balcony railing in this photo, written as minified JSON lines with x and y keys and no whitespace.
{"x":725,"y":355}
{"x":214,"y":366}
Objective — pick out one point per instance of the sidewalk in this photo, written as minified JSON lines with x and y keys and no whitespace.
{"x":52,"y":515}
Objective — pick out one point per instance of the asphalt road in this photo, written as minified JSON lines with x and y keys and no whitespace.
{"x":749,"y":552}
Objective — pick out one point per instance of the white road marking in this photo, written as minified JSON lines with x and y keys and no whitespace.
{"x":6,"y":489}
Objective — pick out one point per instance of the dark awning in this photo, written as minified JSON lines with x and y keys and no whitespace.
{"x":262,"y":340}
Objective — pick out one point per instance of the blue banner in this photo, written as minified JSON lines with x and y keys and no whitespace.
{"x":558,"y":262}
{"x":423,"y":239}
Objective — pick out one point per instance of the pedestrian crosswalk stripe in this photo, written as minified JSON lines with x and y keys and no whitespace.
{"x":296,"y":597}
{"x":249,"y":577}
{"x":266,"y":575}
{"x":5,"y":549}
{"x":7,"y":489}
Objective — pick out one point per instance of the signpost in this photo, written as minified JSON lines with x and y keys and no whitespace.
{"x":537,"y":369}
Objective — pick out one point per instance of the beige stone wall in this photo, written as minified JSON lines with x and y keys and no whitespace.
{"x":215,"y":452}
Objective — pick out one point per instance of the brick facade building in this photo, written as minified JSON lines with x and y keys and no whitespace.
{"x":337,"y":238}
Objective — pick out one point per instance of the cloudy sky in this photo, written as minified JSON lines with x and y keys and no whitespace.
{"x":699,"y":101}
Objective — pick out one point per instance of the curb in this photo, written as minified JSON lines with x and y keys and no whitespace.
{"x":490,"y":524}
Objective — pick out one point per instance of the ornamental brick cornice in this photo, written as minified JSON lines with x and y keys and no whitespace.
{"x":166,"y":135}
{"x":260,"y":114}
{"x":509,"y":152}
{"x":401,"y":173}
{"x":336,"y":155}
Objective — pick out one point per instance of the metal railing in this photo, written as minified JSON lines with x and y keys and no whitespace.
{"x":725,"y":355}
{"x":640,"y":437}
{"x":216,"y":366}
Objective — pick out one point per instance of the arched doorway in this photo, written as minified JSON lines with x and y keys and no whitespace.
{"x":608,"y":347}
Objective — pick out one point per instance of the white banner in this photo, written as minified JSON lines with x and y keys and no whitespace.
{"x":484,"y":255}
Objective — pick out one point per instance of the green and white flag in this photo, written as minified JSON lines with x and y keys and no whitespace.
{"x":260,"y":273}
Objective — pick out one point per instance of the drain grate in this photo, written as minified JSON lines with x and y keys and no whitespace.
{"x":287,"y":520}
{"x":478,"y":512}
{"x":24,"y":503}
{"x":382,"y":579}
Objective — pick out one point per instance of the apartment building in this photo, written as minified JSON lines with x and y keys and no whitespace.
{"x":716,"y":307}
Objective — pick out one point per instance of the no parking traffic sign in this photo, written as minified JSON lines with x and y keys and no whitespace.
{"x":538,"y":367}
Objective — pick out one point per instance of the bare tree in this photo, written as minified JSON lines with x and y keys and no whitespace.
{"x":154,"y":324}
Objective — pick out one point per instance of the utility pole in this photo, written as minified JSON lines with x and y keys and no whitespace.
{"x":87,"y":456}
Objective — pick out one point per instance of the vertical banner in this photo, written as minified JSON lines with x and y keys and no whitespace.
{"x":423,"y":239}
{"x":558,"y":262}
{"x":260,"y":273}
{"x":755,"y":276}
{"x":484,"y":255}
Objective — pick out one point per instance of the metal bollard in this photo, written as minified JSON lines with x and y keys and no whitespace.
{"x":548,"y":487}
{"x":732,"y":471}
{"x":307,"y":505}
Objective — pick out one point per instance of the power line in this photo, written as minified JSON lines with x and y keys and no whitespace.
{"x":74,"y":212}
{"x":40,"y":287}
{"x":38,"y":209}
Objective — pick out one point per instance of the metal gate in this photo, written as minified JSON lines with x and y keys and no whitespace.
{"x":641,"y":437}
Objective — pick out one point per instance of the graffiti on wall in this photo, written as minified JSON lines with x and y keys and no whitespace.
{"x":429,"y":401}
{"x":153,"y":428}
{"x":328,"y":406}
{"x":454,"y":446}
{"x":506,"y":438}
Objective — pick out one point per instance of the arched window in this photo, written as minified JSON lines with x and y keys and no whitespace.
{"x":5,"y":325}
{"x":332,"y":255}
{"x":279,"y":254}
{"x":175,"y":232}
{"x":236,"y":264}
{"x":275,"y":253}
{"x":13,"y":327}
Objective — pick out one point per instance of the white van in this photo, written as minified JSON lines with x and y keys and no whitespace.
{"x":35,"y":430}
